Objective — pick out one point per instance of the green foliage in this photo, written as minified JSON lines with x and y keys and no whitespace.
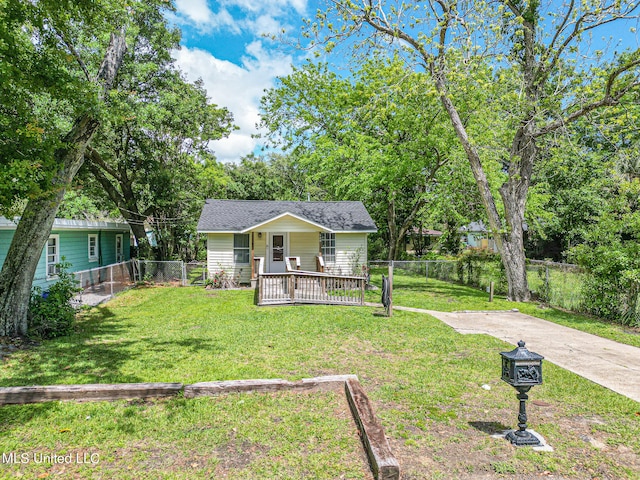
{"x":77,"y":205}
{"x":51,"y":53}
{"x":379,"y":137}
{"x":51,"y":313}
{"x":451,"y":240}
{"x":152,"y":159}
{"x":611,"y":256}
{"x":477,"y":268}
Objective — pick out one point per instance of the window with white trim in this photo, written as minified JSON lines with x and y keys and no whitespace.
{"x":328,"y":247}
{"x":119,"y":249}
{"x":241,"y":248}
{"x":53,"y":255}
{"x":93,"y":247}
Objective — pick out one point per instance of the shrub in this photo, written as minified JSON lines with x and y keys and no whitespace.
{"x":51,"y":313}
{"x":221,"y":279}
{"x":611,"y":256}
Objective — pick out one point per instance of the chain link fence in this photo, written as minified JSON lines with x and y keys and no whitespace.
{"x":556,"y":284}
{"x":102,"y":283}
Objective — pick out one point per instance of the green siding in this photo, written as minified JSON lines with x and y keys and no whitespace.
{"x":5,"y":240}
{"x":74,"y":246}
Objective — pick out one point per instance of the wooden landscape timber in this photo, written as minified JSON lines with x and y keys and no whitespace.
{"x":383,"y":464}
{"x":87,"y":393}
{"x":205,"y":389}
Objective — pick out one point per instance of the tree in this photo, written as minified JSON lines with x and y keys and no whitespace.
{"x":540,"y":47}
{"x":376,"y":137}
{"x":272,"y":178}
{"x":60,"y":61}
{"x":145,"y":157}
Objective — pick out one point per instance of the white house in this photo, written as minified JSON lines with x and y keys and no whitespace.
{"x":240,"y":230}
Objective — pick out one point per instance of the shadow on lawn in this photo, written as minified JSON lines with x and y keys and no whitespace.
{"x":95,"y":353}
{"x":490,"y":428}
{"x":79,"y":358}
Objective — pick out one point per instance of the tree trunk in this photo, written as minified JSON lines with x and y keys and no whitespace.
{"x":508,"y":238}
{"x":37,"y":219}
{"x":514,"y":199}
{"x":125,"y":201}
{"x":144,"y":248}
{"x":33,"y":232}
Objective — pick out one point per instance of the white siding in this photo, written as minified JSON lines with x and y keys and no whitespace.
{"x":220,"y":257}
{"x":301,"y":244}
{"x":287,"y":224}
{"x":348,"y":247}
{"x":260,"y":245}
{"x":305,"y":246}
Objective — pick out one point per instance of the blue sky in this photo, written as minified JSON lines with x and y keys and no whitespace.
{"x":223,"y":43}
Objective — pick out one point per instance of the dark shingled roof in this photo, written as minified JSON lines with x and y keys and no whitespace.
{"x":239,"y":215}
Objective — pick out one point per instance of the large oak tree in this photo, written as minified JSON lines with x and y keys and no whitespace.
{"x":560,"y":78}
{"x":60,"y":60}
{"x":377,"y":136}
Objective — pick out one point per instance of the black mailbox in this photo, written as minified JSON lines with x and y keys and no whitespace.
{"x":521,"y":368}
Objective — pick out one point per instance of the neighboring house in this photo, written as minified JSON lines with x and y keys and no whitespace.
{"x":240,"y":230}
{"x":84,"y":244}
{"x":477,"y":235}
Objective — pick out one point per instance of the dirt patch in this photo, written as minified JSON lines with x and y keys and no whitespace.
{"x":445,"y":448}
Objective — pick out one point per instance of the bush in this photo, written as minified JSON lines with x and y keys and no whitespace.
{"x":51,"y":313}
{"x":478,"y":268}
{"x":221,"y":279}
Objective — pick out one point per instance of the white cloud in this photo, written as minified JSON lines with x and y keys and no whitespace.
{"x":237,"y":87}
{"x":198,"y":13}
{"x":254,"y":17}
{"x":195,"y":10}
{"x":240,"y":84}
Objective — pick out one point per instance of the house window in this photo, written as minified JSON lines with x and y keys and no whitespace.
{"x":53,"y":255}
{"x":119,"y":249}
{"x":328,"y":247}
{"x":241,"y":248}
{"x":93,"y":247}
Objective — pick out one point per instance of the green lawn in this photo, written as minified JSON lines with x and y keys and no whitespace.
{"x":415,"y":291}
{"x":424,"y":379}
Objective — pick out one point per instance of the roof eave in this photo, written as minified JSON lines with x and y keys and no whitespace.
{"x":282,"y":215}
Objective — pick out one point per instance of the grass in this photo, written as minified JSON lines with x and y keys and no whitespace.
{"x":424,"y":379}
{"x":414,"y":291}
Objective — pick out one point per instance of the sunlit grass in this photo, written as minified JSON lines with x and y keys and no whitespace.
{"x":415,"y":291}
{"x":424,"y":379}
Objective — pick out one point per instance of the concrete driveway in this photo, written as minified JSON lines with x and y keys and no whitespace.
{"x":605,"y":362}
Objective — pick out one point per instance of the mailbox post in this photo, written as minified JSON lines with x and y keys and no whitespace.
{"x":522,"y":369}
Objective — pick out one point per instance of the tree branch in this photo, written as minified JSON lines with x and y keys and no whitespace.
{"x":609,"y":98}
{"x":97,"y":159}
{"x":112,"y":60}
{"x":75,"y":53}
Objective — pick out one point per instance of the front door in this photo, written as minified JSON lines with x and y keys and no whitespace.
{"x":277,"y":252}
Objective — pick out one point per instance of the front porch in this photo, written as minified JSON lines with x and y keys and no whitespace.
{"x":296,"y":286}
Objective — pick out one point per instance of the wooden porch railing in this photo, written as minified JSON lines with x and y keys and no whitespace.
{"x":288,"y":261}
{"x":309,"y":287}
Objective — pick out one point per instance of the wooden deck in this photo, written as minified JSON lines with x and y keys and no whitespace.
{"x":298,"y":287}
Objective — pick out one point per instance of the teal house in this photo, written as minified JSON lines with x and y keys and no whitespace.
{"x":84,"y":244}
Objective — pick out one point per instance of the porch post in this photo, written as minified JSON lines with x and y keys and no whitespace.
{"x":253,"y":263}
